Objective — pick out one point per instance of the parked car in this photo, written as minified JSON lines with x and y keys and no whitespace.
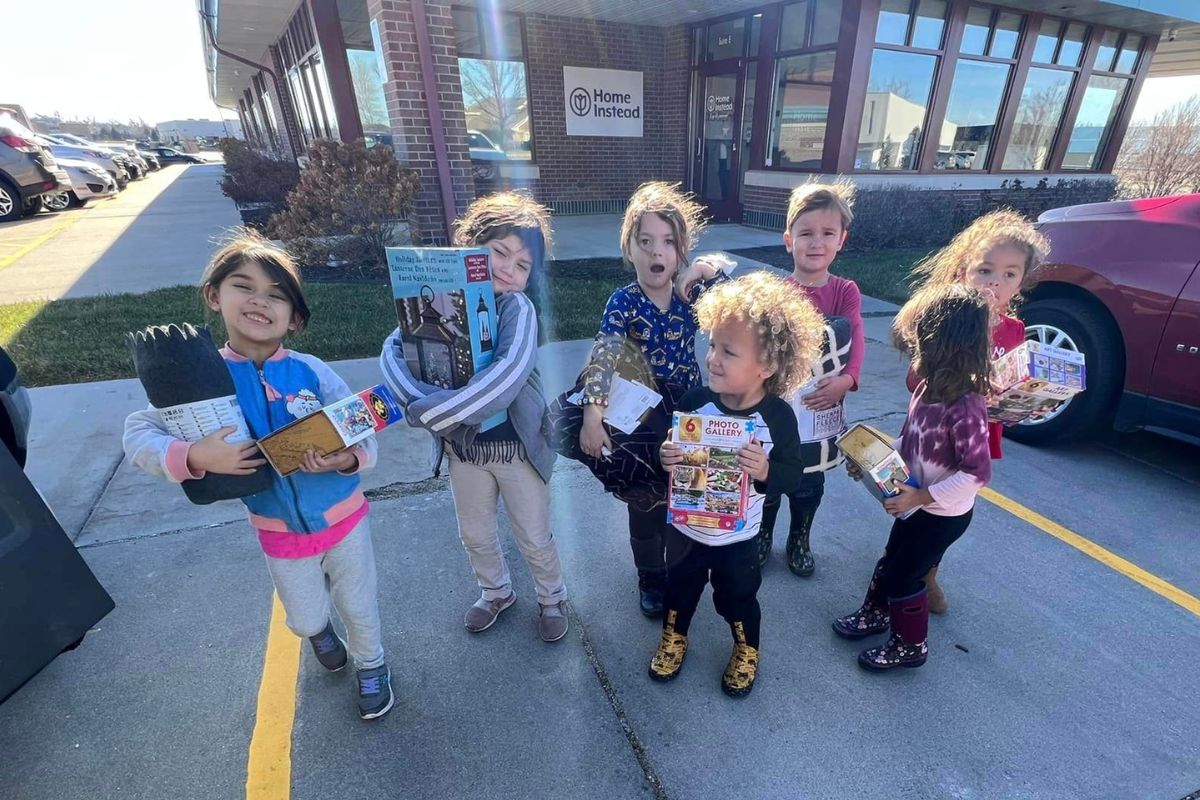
{"x":132,"y":165}
{"x":151,"y":159}
{"x":28,"y":170}
{"x":88,"y":181}
{"x":169,"y":155}
{"x":105,"y":159}
{"x":15,"y":409}
{"x":1123,"y":288}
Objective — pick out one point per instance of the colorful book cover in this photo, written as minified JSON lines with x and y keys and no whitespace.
{"x":1033,"y":379}
{"x":709,"y":489}
{"x":447,"y":313}
{"x":882,"y":467}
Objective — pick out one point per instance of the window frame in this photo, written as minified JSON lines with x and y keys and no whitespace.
{"x":485,"y":55}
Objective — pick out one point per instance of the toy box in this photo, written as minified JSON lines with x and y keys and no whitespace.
{"x":709,"y":489}
{"x":447,"y":312}
{"x":881,"y":465}
{"x":1033,"y":379}
{"x":331,"y":429}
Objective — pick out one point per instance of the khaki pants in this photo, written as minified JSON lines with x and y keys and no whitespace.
{"x":477,"y":489}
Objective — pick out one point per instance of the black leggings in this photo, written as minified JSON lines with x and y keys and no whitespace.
{"x":915,"y":545}
{"x":733,"y":571}
{"x":647,"y":539}
{"x":807,"y":498}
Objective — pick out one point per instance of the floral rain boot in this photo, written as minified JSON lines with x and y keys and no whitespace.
{"x":906,"y":647}
{"x":872,"y":617}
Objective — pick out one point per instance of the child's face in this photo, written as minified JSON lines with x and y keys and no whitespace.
{"x":654,"y":256}
{"x":815,"y":239}
{"x":511,"y":264}
{"x":998,"y":275}
{"x":253,"y":306}
{"x":733,"y":359}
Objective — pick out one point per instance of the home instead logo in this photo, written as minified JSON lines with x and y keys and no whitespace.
{"x":601,"y":104}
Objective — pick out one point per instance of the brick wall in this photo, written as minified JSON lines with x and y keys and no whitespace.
{"x":409,"y":112}
{"x":603,"y":171}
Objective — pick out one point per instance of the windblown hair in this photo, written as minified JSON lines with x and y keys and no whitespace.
{"x":790,"y":330}
{"x":247,"y":244}
{"x":950,"y":264}
{"x":951,"y":341}
{"x":818,"y":196}
{"x":673,"y":206}
{"x":499,"y":215}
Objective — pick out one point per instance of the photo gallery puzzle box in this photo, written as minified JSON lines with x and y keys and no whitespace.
{"x":1034,"y":378}
{"x":447,"y":312}
{"x":709,"y":489}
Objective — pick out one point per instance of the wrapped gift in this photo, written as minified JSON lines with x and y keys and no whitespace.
{"x":882,"y":467}
{"x":1033,"y":379}
{"x":331,"y":429}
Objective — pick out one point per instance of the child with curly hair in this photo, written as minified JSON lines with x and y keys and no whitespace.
{"x":764,"y":337}
{"x":1000,"y":254}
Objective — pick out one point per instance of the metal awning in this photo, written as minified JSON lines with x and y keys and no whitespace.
{"x":246,"y":28}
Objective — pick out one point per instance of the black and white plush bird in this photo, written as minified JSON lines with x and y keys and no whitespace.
{"x":179,"y":365}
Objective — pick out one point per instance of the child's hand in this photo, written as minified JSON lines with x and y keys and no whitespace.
{"x":853,"y":471}
{"x":341,"y":461}
{"x":829,"y":392}
{"x":753,"y":460}
{"x":214,"y":454}
{"x":910,"y":497}
{"x":702,"y":269}
{"x":670,"y":455}
{"x":593,"y":439}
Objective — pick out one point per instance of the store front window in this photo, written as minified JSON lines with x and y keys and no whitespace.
{"x":804,"y":59}
{"x":366,"y":70}
{"x":492,"y":72}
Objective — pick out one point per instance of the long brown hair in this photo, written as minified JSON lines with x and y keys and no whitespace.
{"x":250,"y":245}
{"x":673,"y":206}
{"x":951,"y":341}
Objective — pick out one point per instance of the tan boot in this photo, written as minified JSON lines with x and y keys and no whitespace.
{"x":672,"y":647}
{"x":742,"y":670}
{"x":937,"y":598}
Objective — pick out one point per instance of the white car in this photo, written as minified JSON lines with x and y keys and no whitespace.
{"x":88,"y":181}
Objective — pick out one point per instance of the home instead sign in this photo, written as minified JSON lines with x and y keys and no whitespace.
{"x":603,"y":102}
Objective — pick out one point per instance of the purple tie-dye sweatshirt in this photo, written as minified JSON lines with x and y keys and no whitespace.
{"x":946,"y":447}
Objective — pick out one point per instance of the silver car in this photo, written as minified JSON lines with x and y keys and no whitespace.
{"x":104,"y":158}
{"x":88,"y":181}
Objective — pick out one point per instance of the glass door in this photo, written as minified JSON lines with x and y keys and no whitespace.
{"x":717,"y":144}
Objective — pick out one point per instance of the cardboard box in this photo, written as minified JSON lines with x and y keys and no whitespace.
{"x":447,"y":312}
{"x":1033,"y":379}
{"x":331,"y":429}
{"x":881,"y":465}
{"x":709,"y":489}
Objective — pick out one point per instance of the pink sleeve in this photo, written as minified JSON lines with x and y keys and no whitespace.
{"x":175,"y":463}
{"x":957,"y":488}
{"x":851,"y":309}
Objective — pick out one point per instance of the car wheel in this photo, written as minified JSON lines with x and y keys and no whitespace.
{"x":10,"y":202}
{"x":1079,"y":326}
{"x":34,"y":204}
{"x":60,"y":201}
{"x":75,"y":200}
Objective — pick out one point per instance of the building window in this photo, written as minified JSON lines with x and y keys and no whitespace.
{"x":306,"y":78}
{"x":967,"y":135}
{"x":1039,"y":112}
{"x":1128,"y":58}
{"x":367,"y":73}
{"x":1089,"y":135}
{"x":725,"y":39}
{"x":491,"y":66}
{"x":804,"y":61}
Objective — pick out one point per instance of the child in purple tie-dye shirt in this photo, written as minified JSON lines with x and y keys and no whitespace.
{"x":944,"y":441}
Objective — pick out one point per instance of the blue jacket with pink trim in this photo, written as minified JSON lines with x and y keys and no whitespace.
{"x":289,"y":386}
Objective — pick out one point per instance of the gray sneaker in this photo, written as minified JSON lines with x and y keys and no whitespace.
{"x":552,"y":621}
{"x":328,"y":649}
{"x":482,"y":615}
{"x":375,"y":696}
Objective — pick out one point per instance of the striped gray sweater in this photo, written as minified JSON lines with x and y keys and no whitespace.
{"x":511,"y":382}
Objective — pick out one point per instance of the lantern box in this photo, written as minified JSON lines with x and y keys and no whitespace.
{"x":1034,"y":379}
{"x":882,"y":467}
{"x":331,"y":429}
{"x":447,"y":313}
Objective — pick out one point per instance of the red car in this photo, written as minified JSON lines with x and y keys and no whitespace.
{"x":1123,"y":288}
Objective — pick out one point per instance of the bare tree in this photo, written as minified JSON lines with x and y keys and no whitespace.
{"x":1033,"y":131}
{"x":495,"y":90}
{"x":368,"y":90}
{"x":1163,"y":157}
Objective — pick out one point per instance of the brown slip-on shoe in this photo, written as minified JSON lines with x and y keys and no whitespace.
{"x":552,"y":621}
{"x":482,"y":615}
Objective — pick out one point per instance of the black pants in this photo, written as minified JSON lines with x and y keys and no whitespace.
{"x":801,"y":503}
{"x":733,"y":571}
{"x":914,"y":546}
{"x":647,"y":540}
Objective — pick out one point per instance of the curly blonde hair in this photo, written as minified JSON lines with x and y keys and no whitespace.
{"x":817,"y":196}
{"x":498,"y":215}
{"x":673,"y":206}
{"x":790,"y":329}
{"x":949,"y":265}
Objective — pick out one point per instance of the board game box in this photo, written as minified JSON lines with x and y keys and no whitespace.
{"x":1032,"y":379}
{"x":881,"y":465}
{"x":709,"y":489}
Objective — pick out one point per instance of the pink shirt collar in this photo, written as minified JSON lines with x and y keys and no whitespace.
{"x":230,"y":354}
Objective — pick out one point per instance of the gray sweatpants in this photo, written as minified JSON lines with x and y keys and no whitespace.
{"x":344,"y":574}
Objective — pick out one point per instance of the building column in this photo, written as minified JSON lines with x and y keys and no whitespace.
{"x":429,"y":129}
{"x":328,"y":27}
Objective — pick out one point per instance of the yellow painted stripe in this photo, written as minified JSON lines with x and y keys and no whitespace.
{"x":269,"y":767}
{"x":1106,"y":557}
{"x":11,"y":258}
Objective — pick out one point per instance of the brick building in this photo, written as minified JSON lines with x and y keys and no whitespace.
{"x":579,"y":101}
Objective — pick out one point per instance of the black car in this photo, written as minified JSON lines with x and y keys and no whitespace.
{"x":169,"y":155}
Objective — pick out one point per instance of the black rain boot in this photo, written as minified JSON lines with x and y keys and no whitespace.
{"x":651,"y":586}
{"x":799,"y":555}
{"x":766,"y":530}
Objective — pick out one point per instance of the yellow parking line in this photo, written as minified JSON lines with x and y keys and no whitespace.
{"x":1106,"y":557}
{"x":10,"y":259}
{"x":269,"y":767}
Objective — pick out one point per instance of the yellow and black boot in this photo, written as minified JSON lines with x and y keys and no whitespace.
{"x":742,"y":669}
{"x":672,"y":647}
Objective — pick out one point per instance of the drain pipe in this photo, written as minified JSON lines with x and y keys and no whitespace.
{"x":436,"y":127}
